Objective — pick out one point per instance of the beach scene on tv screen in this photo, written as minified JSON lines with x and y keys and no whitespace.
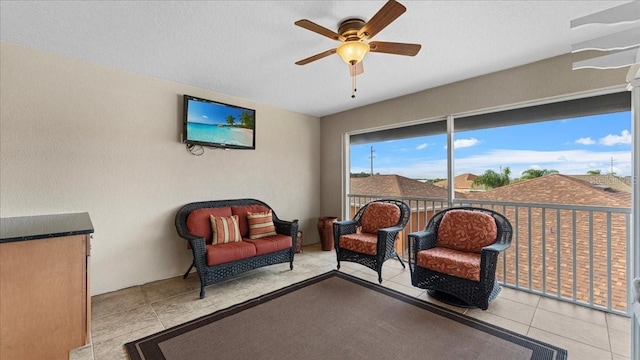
{"x":220,"y":124}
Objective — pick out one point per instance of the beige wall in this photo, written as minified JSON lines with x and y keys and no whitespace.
{"x":76,"y":137}
{"x":547,"y":79}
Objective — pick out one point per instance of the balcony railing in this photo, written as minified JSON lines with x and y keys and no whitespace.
{"x":572,"y":253}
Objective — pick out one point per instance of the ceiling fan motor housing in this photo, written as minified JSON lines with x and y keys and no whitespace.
{"x":350,"y":27}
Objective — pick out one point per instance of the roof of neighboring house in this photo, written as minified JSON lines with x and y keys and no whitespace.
{"x":612,"y":181}
{"x":557,"y":189}
{"x":396,"y":185}
{"x":463,"y":181}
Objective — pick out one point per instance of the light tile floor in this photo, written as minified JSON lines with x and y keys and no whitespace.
{"x":129,"y":314}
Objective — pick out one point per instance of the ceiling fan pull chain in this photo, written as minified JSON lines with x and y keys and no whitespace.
{"x":353,"y":81}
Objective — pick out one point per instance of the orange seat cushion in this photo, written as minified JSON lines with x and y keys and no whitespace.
{"x":271,"y":244}
{"x":224,"y":253}
{"x":466,"y":230}
{"x":363,"y":243}
{"x":451,"y":262}
{"x":378,"y":215}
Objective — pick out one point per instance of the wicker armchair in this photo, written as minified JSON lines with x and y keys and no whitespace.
{"x":369,"y":238}
{"x":455,"y":257}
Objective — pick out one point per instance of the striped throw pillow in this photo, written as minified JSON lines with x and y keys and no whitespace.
{"x":260,"y":225}
{"x":225,"y":229}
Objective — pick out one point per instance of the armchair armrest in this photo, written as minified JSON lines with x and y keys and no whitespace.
{"x":422,"y":240}
{"x":497,"y":247}
{"x":344,"y":227}
{"x":387,"y":238}
{"x":389,"y":233}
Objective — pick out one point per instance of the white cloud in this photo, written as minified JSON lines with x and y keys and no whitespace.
{"x":622,"y":139}
{"x":422,"y":146}
{"x":566,"y":162}
{"x":463,"y":143}
{"x":585,"y":141}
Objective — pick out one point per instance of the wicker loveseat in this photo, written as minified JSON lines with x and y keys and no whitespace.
{"x":219,"y":252}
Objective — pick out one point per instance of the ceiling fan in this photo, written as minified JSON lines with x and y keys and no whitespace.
{"x":355,"y":33}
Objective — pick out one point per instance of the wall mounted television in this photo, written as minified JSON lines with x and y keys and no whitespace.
{"x":214,"y":124}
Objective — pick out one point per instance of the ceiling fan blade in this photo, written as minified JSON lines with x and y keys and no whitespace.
{"x":316,"y":57}
{"x":310,"y":25}
{"x":356,"y":69}
{"x":394,"y":48}
{"x":385,"y":16}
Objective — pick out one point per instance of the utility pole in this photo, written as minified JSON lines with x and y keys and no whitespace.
{"x":371,"y":157}
{"x":611,"y":173}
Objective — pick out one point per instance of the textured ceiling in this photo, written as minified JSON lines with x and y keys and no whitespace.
{"x":248,"y":48}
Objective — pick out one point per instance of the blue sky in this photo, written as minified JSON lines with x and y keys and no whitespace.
{"x":210,"y":113}
{"x":571,"y":146}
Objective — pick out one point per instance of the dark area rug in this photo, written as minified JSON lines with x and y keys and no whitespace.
{"x":338,"y":316}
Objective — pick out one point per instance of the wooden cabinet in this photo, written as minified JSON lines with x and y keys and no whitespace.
{"x":45,"y":300}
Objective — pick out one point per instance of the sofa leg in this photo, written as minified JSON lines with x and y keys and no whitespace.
{"x":188,"y":271}
{"x":201,"y":292}
{"x":291,"y":265}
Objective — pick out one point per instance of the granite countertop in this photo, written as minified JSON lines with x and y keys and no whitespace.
{"x":44,"y":226}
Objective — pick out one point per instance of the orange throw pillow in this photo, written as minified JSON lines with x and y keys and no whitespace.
{"x":225,"y":229}
{"x":260,"y":225}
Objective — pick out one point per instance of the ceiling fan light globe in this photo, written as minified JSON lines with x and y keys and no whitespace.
{"x":352,"y":52}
